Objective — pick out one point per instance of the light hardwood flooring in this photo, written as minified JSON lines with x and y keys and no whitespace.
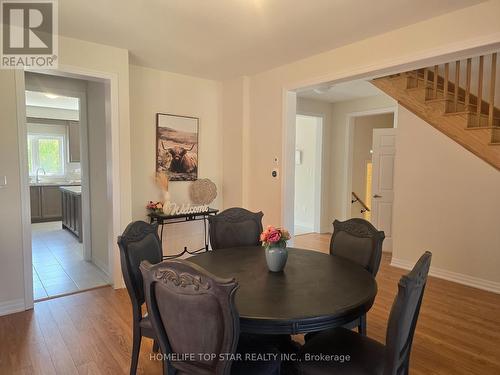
{"x":90,"y":333}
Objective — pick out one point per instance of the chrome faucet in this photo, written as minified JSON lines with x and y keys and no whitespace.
{"x":38,"y":174}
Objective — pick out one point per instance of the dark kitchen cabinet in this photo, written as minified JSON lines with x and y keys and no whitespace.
{"x":51,"y":203}
{"x":46,"y":203}
{"x":36,"y":203}
{"x":72,"y":210}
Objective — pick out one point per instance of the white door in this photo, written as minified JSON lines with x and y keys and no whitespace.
{"x":384,"y":152}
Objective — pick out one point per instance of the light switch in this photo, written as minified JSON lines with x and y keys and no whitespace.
{"x":3,"y":181}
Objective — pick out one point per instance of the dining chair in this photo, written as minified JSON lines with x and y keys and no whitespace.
{"x":359,"y":241}
{"x":235,"y":227}
{"x":138,"y":242}
{"x":194,"y":312}
{"x":368,"y":356}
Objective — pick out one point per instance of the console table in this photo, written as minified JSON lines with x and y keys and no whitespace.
{"x":163,"y":220}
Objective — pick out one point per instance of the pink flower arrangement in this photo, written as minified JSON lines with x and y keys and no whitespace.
{"x":155,"y":206}
{"x":274,"y":237}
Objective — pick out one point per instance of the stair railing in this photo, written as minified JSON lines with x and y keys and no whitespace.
{"x":356,"y":199}
{"x":437,"y":79}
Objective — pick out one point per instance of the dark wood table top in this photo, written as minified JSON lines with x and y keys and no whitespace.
{"x":315,"y":291}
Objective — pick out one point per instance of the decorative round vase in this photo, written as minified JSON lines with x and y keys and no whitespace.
{"x":276,"y":258}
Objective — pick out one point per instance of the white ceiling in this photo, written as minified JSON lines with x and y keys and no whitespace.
{"x":40,"y":99}
{"x":228,"y":38}
{"x":340,"y":92}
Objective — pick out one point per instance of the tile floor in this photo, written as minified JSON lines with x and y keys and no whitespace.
{"x":58,"y":265}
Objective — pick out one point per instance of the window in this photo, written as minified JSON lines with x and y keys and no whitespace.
{"x":46,"y":151}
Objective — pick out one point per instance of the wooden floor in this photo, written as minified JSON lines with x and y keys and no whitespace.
{"x":89,"y":333}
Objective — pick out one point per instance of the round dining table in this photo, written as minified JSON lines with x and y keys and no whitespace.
{"x":315,"y":291}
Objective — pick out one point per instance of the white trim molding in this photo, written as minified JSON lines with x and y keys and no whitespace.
{"x":475,"y":282}
{"x":11,"y":307}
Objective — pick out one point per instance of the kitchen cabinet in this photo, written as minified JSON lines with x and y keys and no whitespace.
{"x":36,"y":203}
{"x":74,"y":141}
{"x":51,"y":203}
{"x":46,"y":203}
{"x":72,"y":210}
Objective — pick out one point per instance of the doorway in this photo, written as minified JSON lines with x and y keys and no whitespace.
{"x":361,"y":151}
{"x":308,"y":152}
{"x":350,"y":112}
{"x":66,"y":122}
{"x":370,"y":167}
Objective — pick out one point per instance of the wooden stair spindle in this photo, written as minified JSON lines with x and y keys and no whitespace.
{"x":458,"y":99}
{"x":435,"y":87}
{"x":457,"y":85}
{"x":492,"y":89}
{"x":480,"y":90}
{"x":446,"y":80}
{"x":467,"y":84}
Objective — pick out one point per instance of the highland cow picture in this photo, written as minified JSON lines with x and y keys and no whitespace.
{"x":177,"y":146}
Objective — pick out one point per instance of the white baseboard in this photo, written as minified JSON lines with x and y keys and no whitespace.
{"x":475,"y":282}
{"x":102,"y":266}
{"x":10,"y":307}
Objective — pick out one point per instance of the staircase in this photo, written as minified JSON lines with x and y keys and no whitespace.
{"x":456,"y":98}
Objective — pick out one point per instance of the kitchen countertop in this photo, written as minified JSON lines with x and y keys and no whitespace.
{"x":55,"y":183}
{"x":72,"y":189}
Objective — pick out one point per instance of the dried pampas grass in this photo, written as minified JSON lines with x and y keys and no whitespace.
{"x":161,"y":180}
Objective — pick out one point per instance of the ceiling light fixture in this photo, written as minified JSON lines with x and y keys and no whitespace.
{"x":51,"y":96}
{"x":322,"y":89}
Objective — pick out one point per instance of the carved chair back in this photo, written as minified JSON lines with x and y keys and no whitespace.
{"x":192,"y":311}
{"x":358,"y":240}
{"x":403,"y":317}
{"x":235,"y":227}
{"x":138,"y":242}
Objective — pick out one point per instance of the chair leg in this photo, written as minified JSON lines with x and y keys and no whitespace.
{"x":362,"y":325}
{"x":136,"y":348}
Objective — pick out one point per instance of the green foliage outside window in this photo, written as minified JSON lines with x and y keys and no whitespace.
{"x":49,"y":155}
{"x":46,"y":151}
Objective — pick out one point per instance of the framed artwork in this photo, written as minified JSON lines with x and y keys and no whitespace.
{"x":177,"y":146}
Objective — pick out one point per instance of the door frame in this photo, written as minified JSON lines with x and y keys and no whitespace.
{"x":112,"y":171}
{"x":349,"y":151}
{"x":318,"y":180}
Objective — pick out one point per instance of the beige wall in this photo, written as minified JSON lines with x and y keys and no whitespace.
{"x":234,"y":114}
{"x":405,"y":45}
{"x":97,"y":120}
{"x":308,"y":138}
{"x":446,"y":201}
{"x":362,"y":144}
{"x":11,"y":252}
{"x":153,"y":91}
{"x":322,"y":109}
